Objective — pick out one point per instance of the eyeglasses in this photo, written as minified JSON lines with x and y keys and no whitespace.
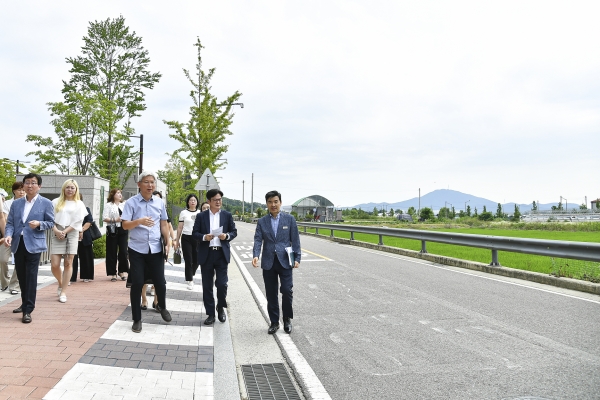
{"x":29,"y":183}
{"x":216,"y":200}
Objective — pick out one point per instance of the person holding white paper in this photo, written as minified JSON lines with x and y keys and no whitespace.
{"x":280,"y":254}
{"x":214,"y":229}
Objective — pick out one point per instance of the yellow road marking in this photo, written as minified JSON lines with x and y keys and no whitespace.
{"x":318,"y":255}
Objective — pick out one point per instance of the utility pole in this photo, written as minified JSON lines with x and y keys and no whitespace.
{"x":252,"y":197}
{"x":243,"y":197}
{"x":419,"y":201}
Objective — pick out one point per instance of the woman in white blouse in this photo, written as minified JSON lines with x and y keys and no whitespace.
{"x":185,"y":240}
{"x":116,"y":244}
{"x":69,"y":212}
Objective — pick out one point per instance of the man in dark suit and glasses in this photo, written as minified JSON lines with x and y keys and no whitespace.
{"x":214,"y":229}
{"x":277,"y":231}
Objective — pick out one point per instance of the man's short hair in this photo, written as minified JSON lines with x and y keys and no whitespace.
{"x":17,"y":186}
{"x":273,"y":193}
{"x":145,"y":174}
{"x":212,"y":193}
{"x":32,"y":175}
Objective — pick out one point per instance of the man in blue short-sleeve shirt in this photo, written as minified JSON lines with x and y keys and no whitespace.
{"x":145,"y":216}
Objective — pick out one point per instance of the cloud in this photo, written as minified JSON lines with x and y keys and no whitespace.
{"x":356,"y":101}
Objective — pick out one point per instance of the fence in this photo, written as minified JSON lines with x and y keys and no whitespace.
{"x":552,"y":248}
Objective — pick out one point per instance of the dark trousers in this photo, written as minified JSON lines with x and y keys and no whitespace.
{"x":85,"y":254}
{"x":27,"y":266}
{"x":189,"y":247}
{"x":116,"y":249}
{"x":215,"y":264}
{"x":145,"y":266}
{"x":272,"y":278}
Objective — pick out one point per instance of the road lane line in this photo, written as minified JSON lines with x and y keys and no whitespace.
{"x":448,"y":268}
{"x":309,"y":380}
{"x":318,"y":255}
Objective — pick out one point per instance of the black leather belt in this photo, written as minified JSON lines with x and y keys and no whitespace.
{"x":215,"y":247}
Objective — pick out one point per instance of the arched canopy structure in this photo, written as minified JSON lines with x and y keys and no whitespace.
{"x":314,"y":207}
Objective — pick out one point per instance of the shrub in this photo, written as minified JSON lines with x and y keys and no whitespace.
{"x":99,"y":247}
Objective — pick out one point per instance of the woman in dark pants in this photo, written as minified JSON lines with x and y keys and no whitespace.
{"x":116,"y":245}
{"x":85,"y":252}
{"x":185,"y":240}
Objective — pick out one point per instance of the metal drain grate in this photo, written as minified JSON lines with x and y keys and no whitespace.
{"x":268,"y":382}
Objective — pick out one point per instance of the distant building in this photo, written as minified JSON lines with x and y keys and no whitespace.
{"x":314,"y":207}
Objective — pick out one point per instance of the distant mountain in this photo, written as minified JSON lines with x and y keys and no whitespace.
{"x":448,"y":198}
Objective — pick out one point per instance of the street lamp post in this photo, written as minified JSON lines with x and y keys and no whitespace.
{"x":17,"y":163}
{"x":566,"y":203}
{"x":141,"y":165}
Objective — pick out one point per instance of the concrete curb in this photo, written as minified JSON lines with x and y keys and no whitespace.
{"x":565,"y":283}
{"x":311,"y":386}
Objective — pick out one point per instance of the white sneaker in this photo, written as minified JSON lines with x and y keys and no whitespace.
{"x":190,"y":285}
{"x":63,"y":298}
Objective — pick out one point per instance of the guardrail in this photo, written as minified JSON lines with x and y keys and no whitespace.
{"x":551,"y":248}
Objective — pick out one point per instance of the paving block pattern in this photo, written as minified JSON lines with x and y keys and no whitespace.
{"x":85,"y":348}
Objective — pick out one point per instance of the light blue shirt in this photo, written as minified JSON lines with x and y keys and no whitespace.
{"x":275,"y":223}
{"x":144,"y":239}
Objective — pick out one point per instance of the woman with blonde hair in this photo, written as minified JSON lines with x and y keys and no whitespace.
{"x":69,"y":212}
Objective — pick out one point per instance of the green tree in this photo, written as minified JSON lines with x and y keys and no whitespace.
{"x":475,"y":213}
{"x":484,"y":210}
{"x":177,"y":181}
{"x":201,"y":138}
{"x":486,"y":216}
{"x":444,"y":213}
{"x":114,"y":66}
{"x":517,"y":214}
{"x":411,"y":211}
{"x":468,"y":211}
{"x":427,"y":214}
{"x":453,"y":213}
{"x":79,"y":126}
{"x":534,"y":207}
{"x":583,"y":206}
{"x":499,"y":213}
{"x":8,"y":171}
{"x":560,"y":206}
{"x":259,"y":212}
{"x":391,"y":213}
{"x":375,"y":211}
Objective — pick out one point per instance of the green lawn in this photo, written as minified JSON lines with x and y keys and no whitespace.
{"x":584,"y":270}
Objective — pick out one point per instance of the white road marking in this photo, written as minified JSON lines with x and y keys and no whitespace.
{"x":308,"y":378}
{"x":446,"y":268}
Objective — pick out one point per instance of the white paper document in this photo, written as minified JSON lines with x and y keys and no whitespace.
{"x":217,"y":232}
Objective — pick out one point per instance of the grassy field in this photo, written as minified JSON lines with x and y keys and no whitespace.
{"x":584,"y":270}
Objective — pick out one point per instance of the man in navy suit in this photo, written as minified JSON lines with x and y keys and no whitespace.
{"x":277,"y":231}
{"x":214,"y":229}
{"x":27,"y":220}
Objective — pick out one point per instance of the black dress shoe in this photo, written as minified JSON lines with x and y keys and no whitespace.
{"x":137,"y":326}
{"x":165,"y":314}
{"x":144,"y":307}
{"x":221,"y":314}
{"x":273,"y":328}
{"x":18,"y":310}
{"x":26,"y":318}
{"x":287,"y":325}
{"x":210,"y":320}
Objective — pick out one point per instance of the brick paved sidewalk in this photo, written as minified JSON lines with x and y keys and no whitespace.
{"x":35,"y":356}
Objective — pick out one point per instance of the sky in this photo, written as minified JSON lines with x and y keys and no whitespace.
{"x":356,"y":101}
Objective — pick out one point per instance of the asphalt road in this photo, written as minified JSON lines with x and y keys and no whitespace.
{"x":373,"y":325}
